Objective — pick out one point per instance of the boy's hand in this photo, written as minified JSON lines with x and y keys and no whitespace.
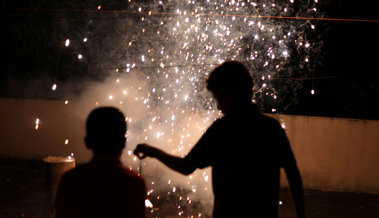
{"x":144,"y":150}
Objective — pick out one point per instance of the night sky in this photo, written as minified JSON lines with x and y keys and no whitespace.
{"x":351,"y":50}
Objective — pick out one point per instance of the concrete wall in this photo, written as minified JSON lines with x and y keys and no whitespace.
{"x":332,"y":153}
{"x":57,"y":122}
{"x":335,"y":153}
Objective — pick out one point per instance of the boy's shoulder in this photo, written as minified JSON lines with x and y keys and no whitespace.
{"x":88,"y":170}
{"x":270,"y":120}
{"x":79,"y":170}
{"x":132,"y":175}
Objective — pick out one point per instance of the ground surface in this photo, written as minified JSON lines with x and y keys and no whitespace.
{"x":22,"y":193}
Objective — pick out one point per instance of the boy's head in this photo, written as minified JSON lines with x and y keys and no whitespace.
{"x":105,"y":129}
{"x":231,"y":78}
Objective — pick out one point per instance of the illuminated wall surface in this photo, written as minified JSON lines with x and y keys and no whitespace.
{"x":332,"y":153}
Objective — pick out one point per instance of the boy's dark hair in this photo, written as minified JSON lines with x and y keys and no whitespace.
{"x":231,"y":78}
{"x":105,"y":127}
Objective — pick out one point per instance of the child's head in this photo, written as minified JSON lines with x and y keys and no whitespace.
{"x":106,"y":128}
{"x":231,"y":78}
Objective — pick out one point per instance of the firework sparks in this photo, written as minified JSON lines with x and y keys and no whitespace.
{"x":167,"y":99}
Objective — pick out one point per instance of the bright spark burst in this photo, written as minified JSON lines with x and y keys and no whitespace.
{"x":170,"y":56}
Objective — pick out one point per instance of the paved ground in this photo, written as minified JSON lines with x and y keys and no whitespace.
{"x":22,"y":194}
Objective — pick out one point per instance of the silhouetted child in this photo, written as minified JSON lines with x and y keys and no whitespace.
{"x":103,"y":187}
{"x":245,"y":149}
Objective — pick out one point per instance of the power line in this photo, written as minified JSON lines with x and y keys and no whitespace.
{"x":195,"y":14}
{"x":272,"y":78}
{"x":324,"y":77}
{"x":226,"y":15}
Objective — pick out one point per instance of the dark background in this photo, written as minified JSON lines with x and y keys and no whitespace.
{"x":352,"y":57}
{"x":346,"y":82}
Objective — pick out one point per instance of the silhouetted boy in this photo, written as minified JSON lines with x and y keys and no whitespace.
{"x":103,"y":187}
{"x":245,"y":148}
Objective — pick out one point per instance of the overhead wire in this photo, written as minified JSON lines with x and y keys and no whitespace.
{"x":226,"y":15}
{"x":195,"y":14}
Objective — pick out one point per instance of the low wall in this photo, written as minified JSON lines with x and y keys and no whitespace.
{"x":332,"y":153}
{"x":335,"y":154}
{"x":57,"y":122}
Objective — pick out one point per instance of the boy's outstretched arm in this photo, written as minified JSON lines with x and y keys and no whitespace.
{"x":296,"y":184}
{"x":176,"y":163}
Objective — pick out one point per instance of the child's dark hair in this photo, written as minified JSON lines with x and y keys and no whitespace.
{"x":231,"y":78}
{"x":105,"y":127}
